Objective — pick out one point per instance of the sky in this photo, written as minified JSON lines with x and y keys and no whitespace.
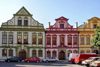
{"x":46,"y":11}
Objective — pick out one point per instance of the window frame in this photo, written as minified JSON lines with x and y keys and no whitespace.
{"x":3,"y":52}
{"x":19,"y":23}
{"x":3,"y":39}
{"x":61,"y":24}
{"x":21,"y":39}
{"x":27,"y":39}
{"x":53,"y":54}
{"x":12,"y":52}
{"x":34,"y":53}
{"x":41,"y":53}
{"x":49,"y":40}
{"x":69,"y":43}
{"x":25,"y":24}
{"x":82,"y":40}
{"x":11,"y":38}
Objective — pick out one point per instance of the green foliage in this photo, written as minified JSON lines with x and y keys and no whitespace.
{"x":95,"y":42}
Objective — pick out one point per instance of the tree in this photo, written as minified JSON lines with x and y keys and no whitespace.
{"x":95,"y":42}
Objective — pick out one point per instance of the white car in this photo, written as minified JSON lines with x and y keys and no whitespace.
{"x":89,"y":60}
{"x":50,"y":59}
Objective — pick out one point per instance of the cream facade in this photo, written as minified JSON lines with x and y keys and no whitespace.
{"x":22,"y":36}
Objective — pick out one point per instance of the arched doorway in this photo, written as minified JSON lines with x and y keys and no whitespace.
{"x":61,"y":55}
{"x":22,"y":54}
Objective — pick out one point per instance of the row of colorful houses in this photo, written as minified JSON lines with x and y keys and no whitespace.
{"x":23,"y":36}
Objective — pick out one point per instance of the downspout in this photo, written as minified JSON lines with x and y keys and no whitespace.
{"x":78,"y":42}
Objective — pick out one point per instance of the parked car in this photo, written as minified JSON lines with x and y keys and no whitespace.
{"x":50,"y":59}
{"x":13,"y":59}
{"x":81,"y":57}
{"x":89,"y":60}
{"x":72,"y":57}
{"x":32,"y":59}
{"x":95,"y":63}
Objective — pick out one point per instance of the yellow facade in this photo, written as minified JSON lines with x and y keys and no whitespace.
{"x":86,"y":33}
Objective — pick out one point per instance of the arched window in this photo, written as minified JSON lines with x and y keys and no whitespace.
{"x":75,"y":51}
{"x":88,"y":51}
{"x":25,"y":21}
{"x":19,"y":21}
{"x":82,"y":51}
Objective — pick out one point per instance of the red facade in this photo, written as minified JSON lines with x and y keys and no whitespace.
{"x":61,"y":38}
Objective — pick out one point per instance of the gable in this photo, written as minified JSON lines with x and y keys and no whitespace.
{"x":22,"y":12}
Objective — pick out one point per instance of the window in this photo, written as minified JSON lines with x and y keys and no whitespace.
{"x":19,"y":22}
{"x":75,"y":51}
{"x":4,"y":52}
{"x":87,"y":51}
{"x":25,"y":22}
{"x":39,"y":39}
{"x":34,"y":53}
{"x":82,"y":40}
{"x":19,"y":39}
{"x":69,"y":53}
{"x":33,"y":39}
{"x":94,"y":26}
{"x":54,"y":53}
{"x":75,"y":40}
{"x":25,"y":40}
{"x":62,"y":41}
{"x":40,"y":53}
{"x":10,"y":39}
{"x":69,"y":41}
{"x":4,"y":38}
{"x":10,"y":52}
{"x":82,"y":52}
{"x":54,"y":40}
{"x":88,"y":41}
{"x":48,"y":41}
{"x":61,"y":25}
{"x":48,"y":53}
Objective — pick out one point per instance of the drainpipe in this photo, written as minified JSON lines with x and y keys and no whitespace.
{"x":78,"y":42}
{"x":45,"y":44}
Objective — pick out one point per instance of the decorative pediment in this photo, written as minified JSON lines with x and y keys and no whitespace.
{"x":62,"y":18}
{"x":23,"y":11}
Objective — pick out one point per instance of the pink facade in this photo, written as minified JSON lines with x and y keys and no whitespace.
{"x":61,"y":39}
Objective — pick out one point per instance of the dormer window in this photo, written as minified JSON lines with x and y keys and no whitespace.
{"x":19,"y":22}
{"x":95,"y":26}
{"x":61,"y":25}
{"x":25,"y":22}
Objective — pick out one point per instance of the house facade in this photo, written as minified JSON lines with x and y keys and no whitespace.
{"x":86,"y":33}
{"x":22,"y":36}
{"x":61,"y":39}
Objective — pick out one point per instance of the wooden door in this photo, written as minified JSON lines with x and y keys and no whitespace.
{"x":22,"y":54}
{"x":62,"y":55}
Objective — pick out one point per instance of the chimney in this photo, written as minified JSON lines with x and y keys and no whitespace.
{"x":49,"y":24}
{"x":83,"y":22}
{"x":76,"y":24}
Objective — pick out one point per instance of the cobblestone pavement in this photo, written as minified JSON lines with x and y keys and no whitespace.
{"x":40,"y":64}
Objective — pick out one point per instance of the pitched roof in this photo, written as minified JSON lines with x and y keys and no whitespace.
{"x":82,"y":26}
